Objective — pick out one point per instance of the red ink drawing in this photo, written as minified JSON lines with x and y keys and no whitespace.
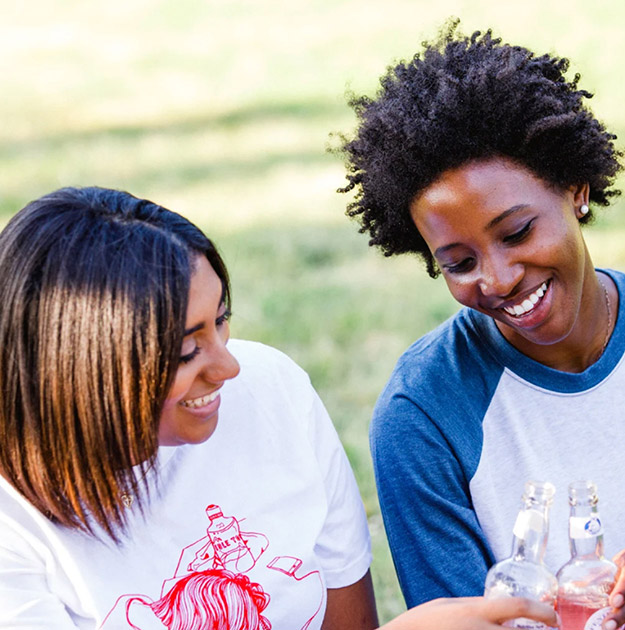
{"x":225,"y":545}
{"x":216,"y":599}
{"x":289,"y":565}
{"x":209,"y":588}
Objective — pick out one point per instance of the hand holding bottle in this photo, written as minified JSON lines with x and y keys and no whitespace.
{"x":617,"y":596}
{"x":472,"y":613}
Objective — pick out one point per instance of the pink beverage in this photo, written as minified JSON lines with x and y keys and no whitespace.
{"x":579,"y":616}
{"x":586,"y":580}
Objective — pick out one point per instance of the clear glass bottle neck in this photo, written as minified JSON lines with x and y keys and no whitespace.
{"x":586,"y":544}
{"x":531,"y":531}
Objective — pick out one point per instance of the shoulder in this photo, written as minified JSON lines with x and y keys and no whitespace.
{"x":450,"y":359}
{"x":441,"y":386}
{"x":258,"y":360}
{"x":270,"y":376}
{"x":618,"y":277}
{"x":251,"y":351}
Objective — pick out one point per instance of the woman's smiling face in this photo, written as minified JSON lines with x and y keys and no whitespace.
{"x":190,"y":411}
{"x":509,"y":245}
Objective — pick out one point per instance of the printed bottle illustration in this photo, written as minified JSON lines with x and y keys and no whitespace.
{"x":585,"y":581}
{"x":524,"y":574}
{"x":226,"y":546}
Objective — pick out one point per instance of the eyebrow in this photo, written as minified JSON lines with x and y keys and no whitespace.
{"x":506,"y":213}
{"x":489,"y":226}
{"x":190,"y":331}
{"x":195,"y":328}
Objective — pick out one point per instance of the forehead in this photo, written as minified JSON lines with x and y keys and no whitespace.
{"x":205,"y":292}
{"x":473,"y":194}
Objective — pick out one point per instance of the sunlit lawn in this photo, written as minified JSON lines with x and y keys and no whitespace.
{"x":222,"y":110}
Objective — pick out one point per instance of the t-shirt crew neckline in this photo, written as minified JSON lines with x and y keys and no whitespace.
{"x":549,"y":378}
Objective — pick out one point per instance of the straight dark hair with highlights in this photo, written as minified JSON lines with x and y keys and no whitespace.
{"x":94,"y":286}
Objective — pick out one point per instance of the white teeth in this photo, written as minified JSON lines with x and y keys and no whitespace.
{"x":528,"y":303}
{"x":199,"y":402}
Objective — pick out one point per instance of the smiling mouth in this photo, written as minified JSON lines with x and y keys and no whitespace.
{"x":196,"y":403}
{"x":529,"y":303}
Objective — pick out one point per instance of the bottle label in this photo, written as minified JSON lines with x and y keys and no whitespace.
{"x":594,"y":621}
{"x":528,"y":520}
{"x":585,"y":527}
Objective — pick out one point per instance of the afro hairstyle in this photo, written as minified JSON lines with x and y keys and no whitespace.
{"x":464,"y":99}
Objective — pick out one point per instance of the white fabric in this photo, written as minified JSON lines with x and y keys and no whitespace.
{"x":558,"y":437}
{"x":293,"y":520}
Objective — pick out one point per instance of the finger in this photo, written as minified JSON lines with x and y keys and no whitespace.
{"x":619,"y":558}
{"x":617,"y":595}
{"x":614,"y":620}
{"x":506,"y":608}
{"x":616,"y":598}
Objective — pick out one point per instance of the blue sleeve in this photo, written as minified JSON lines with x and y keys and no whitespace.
{"x":426,"y":440}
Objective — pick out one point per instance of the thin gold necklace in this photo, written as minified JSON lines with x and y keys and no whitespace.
{"x":127,"y":498}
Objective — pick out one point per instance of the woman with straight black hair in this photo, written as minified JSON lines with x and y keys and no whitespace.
{"x":154,"y":473}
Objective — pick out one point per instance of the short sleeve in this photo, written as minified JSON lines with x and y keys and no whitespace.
{"x":343,"y":545}
{"x":26,"y":600}
{"x":436,"y":541}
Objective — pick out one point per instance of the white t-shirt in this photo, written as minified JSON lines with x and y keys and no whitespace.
{"x":253,"y":526}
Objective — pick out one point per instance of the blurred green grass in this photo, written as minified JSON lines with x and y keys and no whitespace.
{"x":222,"y":111}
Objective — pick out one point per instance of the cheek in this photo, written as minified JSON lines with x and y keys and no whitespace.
{"x":179,"y":388}
{"x":462,"y":292}
{"x":168,"y":424}
{"x":169,"y":407}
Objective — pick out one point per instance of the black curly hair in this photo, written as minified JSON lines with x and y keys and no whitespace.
{"x":464,"y":99}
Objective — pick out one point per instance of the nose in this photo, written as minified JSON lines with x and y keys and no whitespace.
{"x":220,"y":364}
{"x":499,"y":276}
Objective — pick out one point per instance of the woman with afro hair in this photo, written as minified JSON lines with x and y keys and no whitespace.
{"x":483,"y":159}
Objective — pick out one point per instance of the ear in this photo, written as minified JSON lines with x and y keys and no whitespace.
{"x":580,"y":196}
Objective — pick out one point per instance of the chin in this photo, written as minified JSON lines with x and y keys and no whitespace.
{"x":199,"y":436}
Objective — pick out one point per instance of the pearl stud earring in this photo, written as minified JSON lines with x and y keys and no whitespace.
{"x":584,"y":209}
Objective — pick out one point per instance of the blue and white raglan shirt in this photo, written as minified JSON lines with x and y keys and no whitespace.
{"x":464,"y":421}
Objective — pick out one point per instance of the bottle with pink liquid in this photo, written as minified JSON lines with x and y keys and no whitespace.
{"x":585,"y":581}
{"x":524,"y":574}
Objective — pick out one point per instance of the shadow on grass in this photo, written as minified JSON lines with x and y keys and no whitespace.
{"x":189,"y":125}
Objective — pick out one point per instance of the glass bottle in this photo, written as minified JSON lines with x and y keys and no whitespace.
{"x":524,"y":574}
{"x":585,"y":581}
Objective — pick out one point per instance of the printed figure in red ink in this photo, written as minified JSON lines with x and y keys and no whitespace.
{"x":216,"y":599}
{"x":221,"y":583}
{"x":289,"y":565}
{"x":225,"y":545}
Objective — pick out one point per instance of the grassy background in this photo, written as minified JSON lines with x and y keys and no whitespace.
{"x":222,"y":110}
